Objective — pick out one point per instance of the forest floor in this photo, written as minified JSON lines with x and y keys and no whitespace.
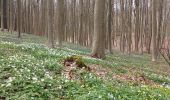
{"x":29,"y":70}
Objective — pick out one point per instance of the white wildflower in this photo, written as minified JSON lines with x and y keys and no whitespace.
{"x":35,"y":78}
{"x":2,"y":85}
{"x":100,"y":97}
{"x":10,"y":79}
{"x":8,"y":84}
{"x":42,"y":80}
{"x":60,"y":87}
{"x":110,"y":95}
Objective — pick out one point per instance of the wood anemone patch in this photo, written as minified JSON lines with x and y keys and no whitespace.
{"x":73,"y":63}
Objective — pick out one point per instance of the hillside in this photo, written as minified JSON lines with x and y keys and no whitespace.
{"x":29,"y":70}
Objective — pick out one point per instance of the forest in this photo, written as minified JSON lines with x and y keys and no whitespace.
{"x":84,"y":50}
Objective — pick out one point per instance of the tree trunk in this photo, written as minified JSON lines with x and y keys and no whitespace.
{"x":110,"y":27}
{"x":60,"y":21}
{"x":98,"y":49}
{"x":19,"y":18}
{"x":3,"y":14}
{"x":50,"y":23}
{"x":154,"y":31}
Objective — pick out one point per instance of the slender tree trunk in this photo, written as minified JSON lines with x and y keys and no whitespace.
{"x":81,"y":23}
{"x":50,"y":23}
{"x":2,"y":16}
{"x":110,"y":27}
{"x":154,"y":30}
{"x":19,"y":18}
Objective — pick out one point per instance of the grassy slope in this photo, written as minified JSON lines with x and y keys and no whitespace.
{"x":33,"y":71}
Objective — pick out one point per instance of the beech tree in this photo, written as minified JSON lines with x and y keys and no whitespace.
{"x":51,"y":23}
{"x":4,"y":14}
{"x":19,"y":18}
{"x":60,"y":21}
{"x":110,"y":26}
{"x":98,"y":49}
{"x":154,"y":26}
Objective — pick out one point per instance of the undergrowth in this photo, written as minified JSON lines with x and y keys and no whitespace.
{"x":30,"y":70}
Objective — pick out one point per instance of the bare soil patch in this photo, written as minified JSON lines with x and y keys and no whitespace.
{"x":74,"y":66}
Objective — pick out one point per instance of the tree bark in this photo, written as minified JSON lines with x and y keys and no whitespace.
{"x":110,"y":27}
{"x":19,"y":18}
{"x":3,"y":14}
{"x":98,"y":49}
{"x":50,"y":23}
{"x":60,"y":21}
{"x":154,"y":31}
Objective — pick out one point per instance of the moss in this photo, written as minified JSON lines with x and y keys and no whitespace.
{"x":77,"y":59}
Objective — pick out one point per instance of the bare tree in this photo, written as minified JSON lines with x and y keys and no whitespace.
{"x":60,"y":20}
{"x":2,"y":15}
{"x":154,"y":30}
{"x":19,"y":18}
{"x":110,"y":26}
{"x":98,"y":49}
{"x":51,"y":23}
